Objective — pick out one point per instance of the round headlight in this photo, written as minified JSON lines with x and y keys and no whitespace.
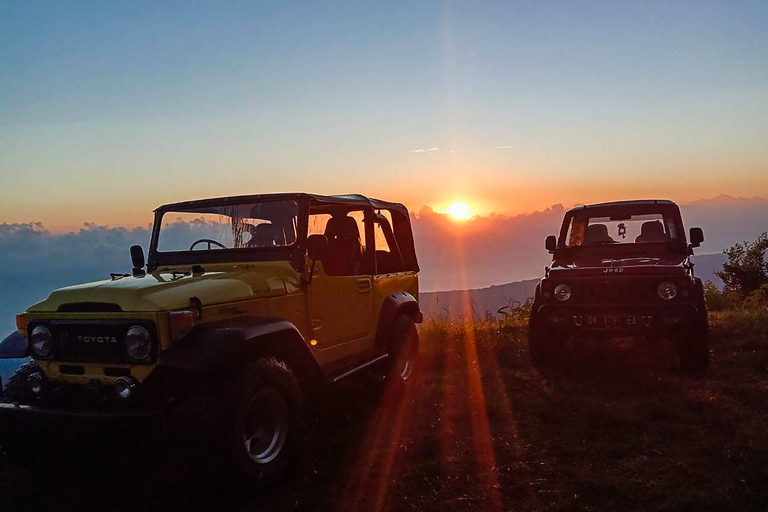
{"x":667,"y":290}
{"x":138,"y":343}
{"x":41,"y":341}
{"x":562,"y":292}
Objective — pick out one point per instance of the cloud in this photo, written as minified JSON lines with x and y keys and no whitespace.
{"x":428,"y":150}
{"x":33,"y":261}
{"x":483,"y":250}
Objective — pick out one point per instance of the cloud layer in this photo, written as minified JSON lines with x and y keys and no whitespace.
{"x":453,"y":255}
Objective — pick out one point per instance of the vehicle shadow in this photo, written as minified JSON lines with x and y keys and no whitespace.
{"x":173,"y":476}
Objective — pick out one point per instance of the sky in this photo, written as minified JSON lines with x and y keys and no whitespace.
{"x":109,"y":109}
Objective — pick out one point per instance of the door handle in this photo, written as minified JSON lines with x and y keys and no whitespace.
{"x":363,"y":285}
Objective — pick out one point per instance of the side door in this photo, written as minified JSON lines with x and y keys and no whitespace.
{"x":341,"y":293}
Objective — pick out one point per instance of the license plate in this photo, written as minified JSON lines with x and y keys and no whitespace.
{"x":619,"y":321}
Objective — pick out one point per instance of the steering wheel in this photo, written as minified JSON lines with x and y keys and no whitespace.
{"x":207,"y":241}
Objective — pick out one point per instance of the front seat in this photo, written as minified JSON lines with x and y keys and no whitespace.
{"x":651,"y":231}
{"x":597,"y":234}
{"x":345,"y":252}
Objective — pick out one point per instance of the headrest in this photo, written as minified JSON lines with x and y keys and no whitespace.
{"x":597,"y":233}
{"x":652,"y":228}
{"x":342,"y":227}
{"x":268,"y":235}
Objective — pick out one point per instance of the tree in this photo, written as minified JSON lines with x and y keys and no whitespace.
{"x":746,"y":269}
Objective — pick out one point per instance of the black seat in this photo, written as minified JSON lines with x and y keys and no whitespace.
{"x":269,"y":235}
{"x":651,"y":231}
{"x":597,"y":234}
{"x":345,"y":251}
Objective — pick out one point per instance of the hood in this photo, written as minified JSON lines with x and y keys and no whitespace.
{"x":161,"y":291}
{"x":668,"y":265}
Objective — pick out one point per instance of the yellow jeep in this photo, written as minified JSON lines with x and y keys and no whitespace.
{"x":245,"y":304}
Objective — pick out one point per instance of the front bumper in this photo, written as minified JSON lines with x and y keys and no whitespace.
{"x":625,"y":318}
{"x":40,"y":425}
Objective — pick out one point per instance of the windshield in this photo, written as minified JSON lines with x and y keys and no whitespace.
{"x":621,"y":228}
{"x":252,"y":225}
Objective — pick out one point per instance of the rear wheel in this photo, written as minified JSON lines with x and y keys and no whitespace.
{"x":403,"y":351}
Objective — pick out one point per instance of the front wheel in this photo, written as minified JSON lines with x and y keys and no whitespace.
{"x":266,"y":431}
{"x":693,"y":349}
{"x":22,"y":452}
{"x":542,"y":347}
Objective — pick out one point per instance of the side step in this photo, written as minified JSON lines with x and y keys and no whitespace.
{"x":357,"y":368}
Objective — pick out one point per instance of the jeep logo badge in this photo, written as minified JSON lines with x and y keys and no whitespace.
{"x":612,"y":270}
{"x":96,"y":339}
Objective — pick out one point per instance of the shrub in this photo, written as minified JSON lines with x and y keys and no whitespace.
{"x":720,"y":301}
{"x":746,"y":269}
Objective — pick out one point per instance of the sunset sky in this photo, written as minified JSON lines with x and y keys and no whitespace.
{"x":109,"y":109}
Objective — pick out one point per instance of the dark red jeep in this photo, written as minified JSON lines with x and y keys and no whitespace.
{"x":621,"y":269}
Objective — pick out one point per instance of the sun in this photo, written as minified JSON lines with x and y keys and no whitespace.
{"x":459,"y":211}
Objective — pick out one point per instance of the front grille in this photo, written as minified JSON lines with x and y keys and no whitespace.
{"x":615,"y":291}
{"x":619,"y":290}
{"x":94,"y":341}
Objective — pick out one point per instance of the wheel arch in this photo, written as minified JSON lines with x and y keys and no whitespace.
{"x":394,"y":305}
{"x":220,"y":345}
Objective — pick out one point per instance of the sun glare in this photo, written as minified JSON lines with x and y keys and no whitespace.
{"x":459,"y":211}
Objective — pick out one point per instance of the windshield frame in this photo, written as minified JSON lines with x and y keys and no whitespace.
{"x":292,"y":253}
{"x":678,"y":245}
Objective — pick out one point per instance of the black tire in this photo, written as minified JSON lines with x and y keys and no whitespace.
{"x":13,"y":443}
{"x":693,"y":348}
{"x":403,"y":361}
{"x":542,"y":347}
{"x":266,"y":422}
{"x":15,"y":390}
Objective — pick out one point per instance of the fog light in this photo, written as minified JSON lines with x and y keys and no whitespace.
{"x":35,"y":383}
{"x":124,"y":387}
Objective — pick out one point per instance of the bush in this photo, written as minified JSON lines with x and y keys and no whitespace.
{"x":746,"y":269}
{"x":758,"y":299}
{"x":720,"y":301}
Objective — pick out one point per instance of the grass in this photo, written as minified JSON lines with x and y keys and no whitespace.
{"x":482,"y":430}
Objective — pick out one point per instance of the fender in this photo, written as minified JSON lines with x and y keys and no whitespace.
{"x":393,"y":306}
{"x":212,"y":345}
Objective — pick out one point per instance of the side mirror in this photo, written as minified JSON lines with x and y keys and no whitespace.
{"x":137,"y":258}
{"x":317,"y":247}
{"x":551,"y":243}
{"x":697,"y":236}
